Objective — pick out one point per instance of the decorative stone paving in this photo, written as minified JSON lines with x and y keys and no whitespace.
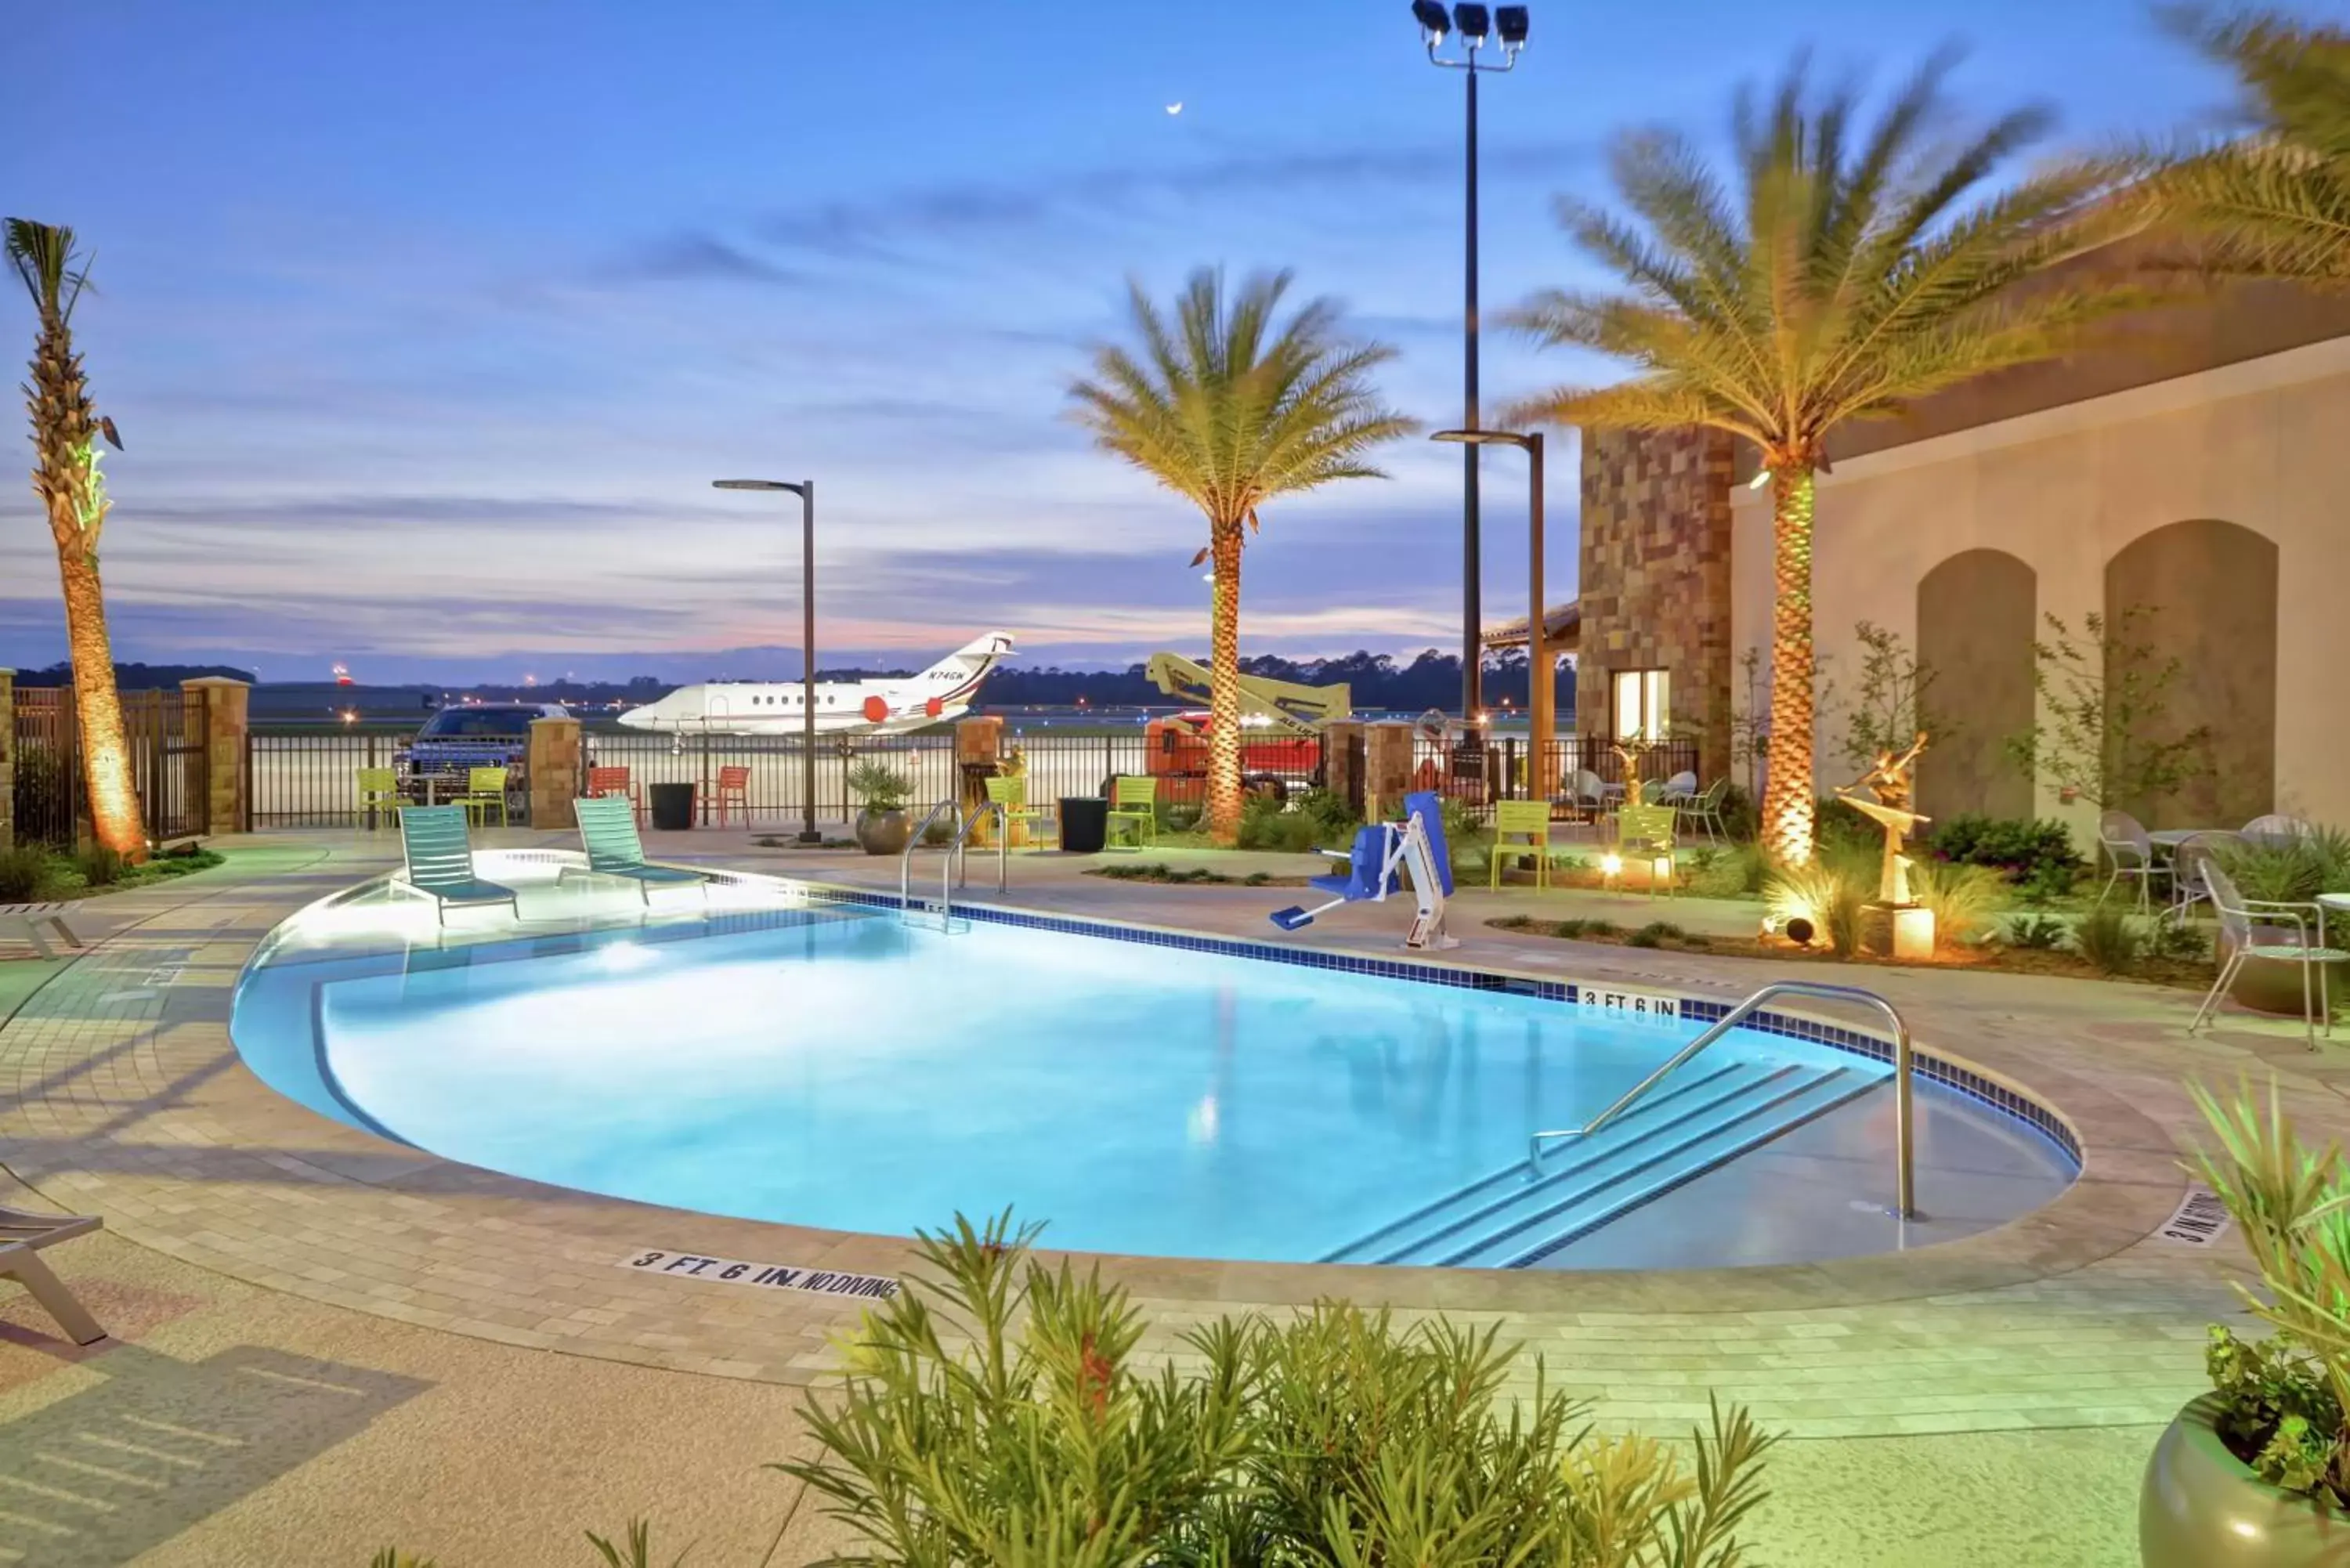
{"x":120,"y":1093}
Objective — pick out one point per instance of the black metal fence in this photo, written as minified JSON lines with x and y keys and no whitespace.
{"x":1477,"y":773}
{"x":168,"y":766}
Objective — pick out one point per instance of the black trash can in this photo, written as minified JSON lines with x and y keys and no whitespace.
{"x":1084,"y":823}
{"x":673,"y":806}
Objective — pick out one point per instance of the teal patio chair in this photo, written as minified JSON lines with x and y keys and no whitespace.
{"x":440,"y":861}
{"x":608,"y":832}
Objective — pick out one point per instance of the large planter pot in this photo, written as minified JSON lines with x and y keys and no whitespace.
{"x":883,"y":832}
{"x":2267,"y":985}
{"x":2200,"y":1507}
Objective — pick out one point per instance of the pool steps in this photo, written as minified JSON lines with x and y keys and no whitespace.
{"x":1520,"y":1214}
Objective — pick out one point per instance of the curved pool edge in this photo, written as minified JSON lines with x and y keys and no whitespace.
{"x":408,"y":1235}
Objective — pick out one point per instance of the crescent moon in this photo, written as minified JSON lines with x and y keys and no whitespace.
{"x":1175,"y":108}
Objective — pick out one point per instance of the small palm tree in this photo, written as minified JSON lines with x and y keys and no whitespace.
{"x":66,"y":431}
{"x":1831,"y":276}
{"x":1229,"y":407}
{"x":2277,"y":203}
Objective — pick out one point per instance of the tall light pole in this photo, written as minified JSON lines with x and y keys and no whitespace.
{"x":1541,"y":681}
{"x":805,"y":489}
{"x":1475,"y":24}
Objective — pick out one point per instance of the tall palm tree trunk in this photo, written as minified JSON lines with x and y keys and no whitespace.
{"x":1224,"y":687}
{"x":98,"y":710}
{"x":1787,"y":796}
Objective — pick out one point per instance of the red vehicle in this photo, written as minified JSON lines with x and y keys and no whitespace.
{"x":1274,"y":760}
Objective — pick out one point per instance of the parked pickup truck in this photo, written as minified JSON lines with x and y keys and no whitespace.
{"x":1273,"y":759}
{"x":460,"y":738}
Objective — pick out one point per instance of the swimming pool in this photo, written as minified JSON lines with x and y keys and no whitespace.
{"x":828,"y":1064}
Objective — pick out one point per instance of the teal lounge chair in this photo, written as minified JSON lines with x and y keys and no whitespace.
{"x":441,"y":861}
{"x":608,"y":831}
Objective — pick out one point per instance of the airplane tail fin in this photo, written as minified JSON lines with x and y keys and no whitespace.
{"x":971,"y":661}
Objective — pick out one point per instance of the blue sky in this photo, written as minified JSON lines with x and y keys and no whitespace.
{"x":428,"y":324}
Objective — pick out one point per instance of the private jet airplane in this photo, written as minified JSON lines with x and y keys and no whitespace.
{"x":944,"y":690}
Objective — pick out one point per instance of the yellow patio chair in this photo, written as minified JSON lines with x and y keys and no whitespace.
{"x":1009,"y":791}
{"x":1645,"y":833}
{"x":378,"y":791}
{"x":1134,"y":801}
{"x":485,"y":792}
{"x":1527,"y":822}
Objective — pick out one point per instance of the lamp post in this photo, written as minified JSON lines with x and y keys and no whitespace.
{"x":1541,"y":781}
{"x":1475,"y":24}
{"x":805,"y":489}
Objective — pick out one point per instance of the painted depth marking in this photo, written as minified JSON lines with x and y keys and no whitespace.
{"x":1637,"y":1003}
{"x":2199,"y":1220}
{"x":773,"y":1276}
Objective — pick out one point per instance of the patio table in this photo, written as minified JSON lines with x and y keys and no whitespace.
{"x":2172,"y":838}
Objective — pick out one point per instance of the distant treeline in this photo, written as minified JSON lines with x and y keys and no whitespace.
{"x":137,"y":677}
{"x":1374,"y":681}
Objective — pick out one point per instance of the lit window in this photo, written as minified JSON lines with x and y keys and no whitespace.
{"x":1643,"y":704}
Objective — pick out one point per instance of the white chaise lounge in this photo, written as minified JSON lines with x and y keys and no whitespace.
{"x":21,"y":1237}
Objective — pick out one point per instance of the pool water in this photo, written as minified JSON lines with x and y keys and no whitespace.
{"x":847,"y":1071}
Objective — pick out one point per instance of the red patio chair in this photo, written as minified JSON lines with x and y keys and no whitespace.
{"x":602,"y":782}
{"x":734,"y":785}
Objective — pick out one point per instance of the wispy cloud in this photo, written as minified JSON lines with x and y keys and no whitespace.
{"x":697,"y":256}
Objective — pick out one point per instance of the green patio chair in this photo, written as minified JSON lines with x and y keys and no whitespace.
{"x":1527,"y":822}
{"x":378,"y":791}
{"x":1647,"y":832}
{"x":440,"y":861}
{"x":608,"y":832}
{"x":1009,"y":791}
{"x":485,"y":791}
{"x":1134,"y":801}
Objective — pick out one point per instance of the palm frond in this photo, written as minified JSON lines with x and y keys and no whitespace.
{"x":42,"y":256}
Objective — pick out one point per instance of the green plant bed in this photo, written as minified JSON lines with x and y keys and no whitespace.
{"x":1159,"y":871}
{"x":31,"y":874}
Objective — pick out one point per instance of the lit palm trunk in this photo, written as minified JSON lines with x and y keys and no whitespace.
{"x":1787,"y":798}
{"x":1224,"y":688}
{"x":66,"y":476}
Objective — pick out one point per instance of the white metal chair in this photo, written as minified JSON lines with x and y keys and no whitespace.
{"x":1679,"y":791}
{"x":1586,"y":796}
{"x":2131,"y":852}
{"x":1704,"y":812}
{"x":2243,"y":921}
{"x":2188,"y":885}
{"x":2275,"y":831}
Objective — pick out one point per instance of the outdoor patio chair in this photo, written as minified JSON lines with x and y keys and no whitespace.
{"x":1705,"y":810}
{"x":1009,"y":792}
{"x":608,"y":832}
{"x":1521,"y":832}
{"x":379,"y":793}
{"x":1678,"y":790}
{"x":2190,"y":859}
{"x":1134,"y":801}
{"x":21,"y":1237}
{"x":603,"y":782}
{"x":438,"y":861}
{"x":30,"y":917}
{"x":734,"y":791}
{"x":2248,"y":928}
{"x":2275,"y":831}
{"x":1647,"y":831}
{"x":2131,"y":853}
{"x":485,"y":792}
{"x":1586,"y":795}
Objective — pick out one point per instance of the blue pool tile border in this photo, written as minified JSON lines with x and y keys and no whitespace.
{"x":1950,"y":1075}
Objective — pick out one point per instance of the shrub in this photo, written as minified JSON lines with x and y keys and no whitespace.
{"x":2283,"y":1401}
{"x":98,"y":866}
{"x":1840,"y":828}
{"x":1725,"y":871}
{"x":2286,"y":871}
{"x":877,"y":786}
{"x":1266,"y":825}
{"x":2191,"y":944}
{"x":1964,"y":899}
{"x":27,"y":874}
{"x":1823,"y":891}
{"x":2038,"y":852}
{"x":2037,"y":932}
{"x":2109,"y":937}
{"x":1334,"y":1437}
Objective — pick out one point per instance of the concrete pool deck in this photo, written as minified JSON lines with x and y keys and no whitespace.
{"x":1933,"y":1397}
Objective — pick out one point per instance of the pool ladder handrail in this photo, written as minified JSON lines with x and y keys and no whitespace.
{"x":955,"y":871}
{"x":1904,"y":1178}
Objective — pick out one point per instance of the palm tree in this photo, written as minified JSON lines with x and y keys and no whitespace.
{"x":66,"y":431}
{"x":1229,"y":407}
{"x":2276,"y":204}
{"x":1830,"y":275}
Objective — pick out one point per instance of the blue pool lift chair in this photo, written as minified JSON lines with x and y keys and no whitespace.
{"x":1383,"y":854}
{"x":608,"y":832}
{"x":440,"y":861}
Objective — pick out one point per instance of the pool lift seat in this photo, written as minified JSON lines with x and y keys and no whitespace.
{"x":1384,"y":854}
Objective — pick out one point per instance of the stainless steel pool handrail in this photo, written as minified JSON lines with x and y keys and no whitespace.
{"x":906,"y":857}
{"x":1905,"y":1179}
{"x":953,"y":873}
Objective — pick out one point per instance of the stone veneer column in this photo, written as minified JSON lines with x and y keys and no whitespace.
{"x":1387,"y":768}
{"x":8,"y":758}
{"x":1654,"y":584}
{"x":1341,"y":774}
{"x":554,"y":772}
{"x":216,"y":708}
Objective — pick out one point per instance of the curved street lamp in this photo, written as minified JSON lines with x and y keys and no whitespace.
{"x":805,"y":489}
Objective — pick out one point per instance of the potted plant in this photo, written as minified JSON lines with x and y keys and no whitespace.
{"x":2290,"y":871}
{"x":2256,"y":1473}
{"x":882,"y":826}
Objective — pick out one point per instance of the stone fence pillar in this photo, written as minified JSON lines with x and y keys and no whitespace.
{"x":553,"y":770}
{"x":8,"y":758}
{"x":1343,"y":762}
{"x":213,"y":709}
{"x":1387,"y":768}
